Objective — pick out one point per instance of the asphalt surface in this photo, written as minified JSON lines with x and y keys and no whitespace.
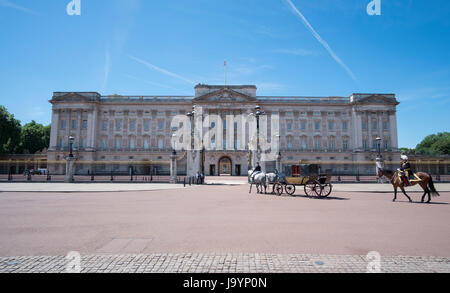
{"x":221,"y":219}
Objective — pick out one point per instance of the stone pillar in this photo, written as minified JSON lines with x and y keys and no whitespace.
{"x":278,"y":163}
{"x":193,"y":162}
{"x":393,"y":130}
{"x":54,"y":130}
{"x":70,"y":164}
{"x":173,"y":167}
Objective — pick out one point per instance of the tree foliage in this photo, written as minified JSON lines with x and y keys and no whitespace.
{"x":435,"y":144}
{"x":31,"y":138}
{"x":9,"y":132}
{"x":35,"y":137}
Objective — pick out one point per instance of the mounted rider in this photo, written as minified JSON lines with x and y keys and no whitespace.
{"x":256,"y":170}
{"x":406,"y":173}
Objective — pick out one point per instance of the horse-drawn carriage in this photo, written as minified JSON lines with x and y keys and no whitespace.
{"x":308,"y":176}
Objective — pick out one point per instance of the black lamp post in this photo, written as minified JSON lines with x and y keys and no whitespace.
{"x":71,"y":140}
{"x":257,"y":114}
{"x":378,"y":139}
{"x":191,"y":115}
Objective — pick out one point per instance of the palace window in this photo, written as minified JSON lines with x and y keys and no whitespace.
{"x":289,"y":126}
{"x":118,"y":144}
{"x":317,"y":125}
{"x":84,"y":124}
{"x":103,"y":144}
{"x":133,"y":125}
{"x":374,"y":125}
{"x":345,"y":144}
{"x":303,"y":143}
{"x":118,"y":125}
{"x":161,"y":124}
{"x":332,"y":143}
{"x":330,"y":125}
{"x":146,"y":125}
{"x":385,"y":125}
{"x":105,"y":125}
{"x":132,"y":144}
{"x":63,"y":124}
{"x":344,"y":125}
{"x":364,"y":125}
{"x":146,"y":144}
{"x":365,"y":143}
{"x":303,"y":125}
{"x":317,"y":143}
{"x":74,"y":124}
{"x":160,"y":143}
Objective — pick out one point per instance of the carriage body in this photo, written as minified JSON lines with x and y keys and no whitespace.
{"x":308,"y":176}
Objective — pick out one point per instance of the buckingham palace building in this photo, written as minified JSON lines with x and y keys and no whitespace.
{"x":136,"y":134}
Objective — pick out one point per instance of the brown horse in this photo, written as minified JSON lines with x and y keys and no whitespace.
{"x":426,"y":183}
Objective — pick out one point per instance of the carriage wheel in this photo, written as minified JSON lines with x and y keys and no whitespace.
{"x":278,"y":189}
{"x":290,"y":189}
{"x":312,"y":188}
{"x":326,"y":190}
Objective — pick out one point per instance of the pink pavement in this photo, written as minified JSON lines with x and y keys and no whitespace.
{"x":221,"y":219}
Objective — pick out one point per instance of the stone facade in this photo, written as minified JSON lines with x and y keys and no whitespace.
{"x":123,"y":134}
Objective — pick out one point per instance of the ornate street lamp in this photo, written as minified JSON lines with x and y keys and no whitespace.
{"x":257,"y":114}
{"x":378,"y":139}
{"x":174,"y":147}
{"x":191,"y":116}
{"x":71,"y":140}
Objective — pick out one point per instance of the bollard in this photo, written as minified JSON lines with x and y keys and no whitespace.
{"x":184,"y":182}
{"x":48,"y":177}
{"x":339,"y":179}
{"x":92,"y":177}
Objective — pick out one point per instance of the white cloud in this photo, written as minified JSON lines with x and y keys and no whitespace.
{"x":320,"y":39}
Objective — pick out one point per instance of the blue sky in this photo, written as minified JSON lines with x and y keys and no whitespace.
{"x":147,"y":47}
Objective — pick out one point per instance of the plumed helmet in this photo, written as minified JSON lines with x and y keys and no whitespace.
{"x":404,"y":157}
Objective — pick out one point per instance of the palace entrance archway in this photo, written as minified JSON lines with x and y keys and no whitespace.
{"x":225,"y":166}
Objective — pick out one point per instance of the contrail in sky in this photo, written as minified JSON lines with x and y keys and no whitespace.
{"x":322,"y":41}
{"x":166,"y":72}
{"x":6,"y":3}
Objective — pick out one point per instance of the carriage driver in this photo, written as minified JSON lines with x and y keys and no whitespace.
{"x":405,"y":169}
{"x":256,"y":170}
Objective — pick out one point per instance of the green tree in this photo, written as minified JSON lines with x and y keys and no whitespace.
{"x":35,"y":137}
{"x":9,"y":132}
{"x":435,"y":144}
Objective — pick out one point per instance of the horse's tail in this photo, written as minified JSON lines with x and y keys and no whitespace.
{"x":432,"y":188}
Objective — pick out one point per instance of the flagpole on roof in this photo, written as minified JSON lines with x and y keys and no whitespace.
{"x":225,"y":71}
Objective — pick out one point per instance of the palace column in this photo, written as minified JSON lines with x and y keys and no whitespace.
{"x":393,"y":129}
{"x":54,"y":131}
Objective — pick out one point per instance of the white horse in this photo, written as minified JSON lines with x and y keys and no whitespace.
{"x":259,"y":179}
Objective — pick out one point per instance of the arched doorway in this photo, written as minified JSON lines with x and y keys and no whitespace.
{"x":225,"y":166}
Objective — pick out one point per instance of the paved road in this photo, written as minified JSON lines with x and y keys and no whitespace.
{"x":221,"y":219}
{"x":231,"y":181}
